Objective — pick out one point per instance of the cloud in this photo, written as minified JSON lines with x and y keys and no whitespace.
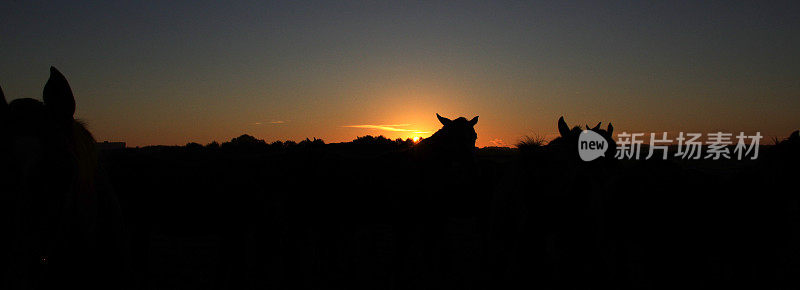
{"x":392,"y":128}
{"x":497,"y":142}
{"x":270,"y":123}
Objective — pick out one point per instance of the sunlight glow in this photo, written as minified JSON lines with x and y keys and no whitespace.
{"x":416,"y":139}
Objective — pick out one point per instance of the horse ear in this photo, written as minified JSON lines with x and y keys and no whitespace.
{"x":563,"y":129}
{"x":3,"y":103}
{"x":57,"y":96}
{"x":473,"y":121}
{"x":610,"y":129}
{"x":596,"y":127}
{"x":3,"y":107}
{"x":443,"y":120}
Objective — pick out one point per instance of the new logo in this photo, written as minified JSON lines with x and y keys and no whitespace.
{"x":591,"y":145}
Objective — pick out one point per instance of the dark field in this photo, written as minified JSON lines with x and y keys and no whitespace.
{"x":368,"y":216}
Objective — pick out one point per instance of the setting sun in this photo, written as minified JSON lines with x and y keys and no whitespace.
{"x":416,"y":139}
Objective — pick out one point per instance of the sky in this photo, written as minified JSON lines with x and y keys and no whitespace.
{"x":173,"y":72}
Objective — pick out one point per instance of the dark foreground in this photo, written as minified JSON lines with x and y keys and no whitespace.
{"x":349,"y":217}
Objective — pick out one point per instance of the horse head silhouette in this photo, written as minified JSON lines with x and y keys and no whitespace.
{"x":454,"y":142}
{"x":44,"y":140}
{"x":568,"y":138}
{"x":792,"y":140}
{"x":52,"y":165}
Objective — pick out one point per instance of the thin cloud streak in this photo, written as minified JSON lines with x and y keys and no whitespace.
{"x":392,"y":128}
{"x":270,"y":123}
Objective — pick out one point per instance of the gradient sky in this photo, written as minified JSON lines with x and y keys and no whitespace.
{"x":172,"y":72}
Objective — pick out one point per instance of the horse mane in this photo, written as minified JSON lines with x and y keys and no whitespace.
{"x":82,"y":147}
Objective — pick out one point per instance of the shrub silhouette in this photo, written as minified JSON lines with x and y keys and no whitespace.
{"x":245,"y":142}
{"x":213,"y":145}
{"x":529,"y":143}
{"x":308,"y":143}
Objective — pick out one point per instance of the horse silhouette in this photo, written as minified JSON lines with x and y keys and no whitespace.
{"x":64,"y":220}
{"x":440,"y":171}
{"x":442,"y":165}
{"x":454,"y":143}
{"x":568,"y":139}
{"x":792,"y":141}
{"x":543,"y":212}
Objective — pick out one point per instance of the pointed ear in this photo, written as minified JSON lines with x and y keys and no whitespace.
{"x":597,"y":127}
{"x":57,"y":96}
{"x":563,"y":129}
{"x":587,"y":126}
{"x":473,"y":121}
{"x":443,"y":120}
{"x":3,"y":103}
{"x":610,"y":129}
